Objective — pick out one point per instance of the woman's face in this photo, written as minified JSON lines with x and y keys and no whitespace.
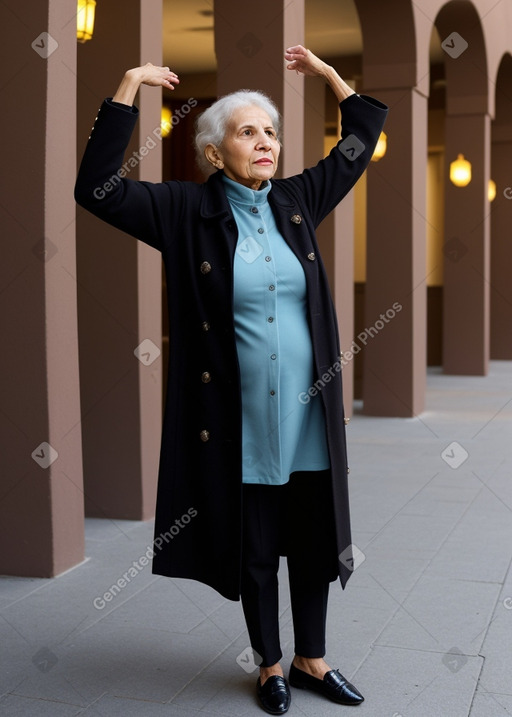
{"x":249,"y":152}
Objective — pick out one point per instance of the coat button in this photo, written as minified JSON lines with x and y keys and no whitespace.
{"x":205,"y":267}
{"x":205,"y":436}
{"x":311,"y":256}
{"x":205,"y":326}
{"x":347,"y":421}
{"x":206,"y":377}
{"x":296,"y":218}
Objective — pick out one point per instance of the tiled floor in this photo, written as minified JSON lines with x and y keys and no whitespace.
{"x":424,"y":628}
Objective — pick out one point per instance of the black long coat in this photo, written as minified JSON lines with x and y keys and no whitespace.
{"x":198,"y":513}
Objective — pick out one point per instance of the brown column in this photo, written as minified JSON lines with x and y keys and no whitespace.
{"x":336,"y":233}
{"x":501,"y":251}
{"x":250,"y":49}
{"x":120,"y":287}
{"x":501,"y":215}
{"x":394,"y":338}
{"x":466,"y":249}
{"x":466,"y":227}
{"x":41,"y":510}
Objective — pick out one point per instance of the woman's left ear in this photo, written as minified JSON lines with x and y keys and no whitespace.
{"x":213,"y":156}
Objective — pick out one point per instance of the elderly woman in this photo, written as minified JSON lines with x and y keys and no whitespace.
{"x":253,"y":460}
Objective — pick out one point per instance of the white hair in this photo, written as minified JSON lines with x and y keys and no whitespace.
{"x":211,"y":124}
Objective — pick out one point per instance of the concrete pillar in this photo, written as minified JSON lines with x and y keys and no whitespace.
{"x":120,"y":287}
{"x":501,"y":215}
{"x":501,"y":251}
{"x":41,"y":506}
{"x":466,"y":229}
{"x":395,"y":306}
{"x":250,"y":49}
{"x":394,"y":358}
{"x":466,"y":318}
{"x":336,"y":233}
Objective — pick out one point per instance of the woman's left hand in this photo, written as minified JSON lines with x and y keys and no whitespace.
{"x":304,"y":61}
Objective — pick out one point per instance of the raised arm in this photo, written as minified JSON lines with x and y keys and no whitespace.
{"x":148,"y":74}
{"x":322,"y":187}
{"x":104,"y":186}
{"x":307,"y":63}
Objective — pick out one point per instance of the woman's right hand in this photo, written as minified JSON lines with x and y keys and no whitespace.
{"x":147,"y":74}
{"x":155,"y":76}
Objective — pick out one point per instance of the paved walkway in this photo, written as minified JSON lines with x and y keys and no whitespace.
{"x":424,"y":628}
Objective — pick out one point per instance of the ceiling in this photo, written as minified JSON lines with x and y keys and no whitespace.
{"x":332,"y":30}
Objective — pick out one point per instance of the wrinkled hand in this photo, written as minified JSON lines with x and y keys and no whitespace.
{"x":155,"y":76}
{"x":304,"y":61}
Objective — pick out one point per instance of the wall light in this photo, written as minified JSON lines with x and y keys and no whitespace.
{"x":166,"y":121}
{"x":460,"y":171}
{"x":85,"y":20}
{"x":491,"y":190}
{"x":380,"y":149}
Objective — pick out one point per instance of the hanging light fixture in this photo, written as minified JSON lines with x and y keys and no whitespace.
{"x":85,"y":20}
{"x":460,"y":171}
{"x":166,"y":121}
{"x":491,"y":190}
{"x":380,"y":149}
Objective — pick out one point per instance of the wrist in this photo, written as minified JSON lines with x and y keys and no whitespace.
{"x":133,"y":76}
{"x":327,"y":72}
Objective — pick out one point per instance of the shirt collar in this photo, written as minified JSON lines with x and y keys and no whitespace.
{"x":240,"y":194}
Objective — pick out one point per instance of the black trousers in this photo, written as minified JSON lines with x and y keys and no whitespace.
{"x":296,"y":520}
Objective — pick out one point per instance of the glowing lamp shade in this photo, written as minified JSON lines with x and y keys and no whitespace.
{"x":491,"y":191}
{"x":380,"y":149}
{"x":460,"y":171}
{"x":85,"y":20}
{"x":165,"y":121}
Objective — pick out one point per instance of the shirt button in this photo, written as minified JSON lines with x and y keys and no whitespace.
{"x":270,"y":319}
{"x":260,"y":230}
{"x":272,"y":393}
{"x":254,"y":210}
{"x":206,"y":377}
{"x":347,"y":421}
{"x":205,"y":436}
{"x":273,"y":357}
{"x":296,"y":219}
{"x":311,"y":256}
{"x":205,"y":267}
{"x":268,"y":258}
{"x":271,"y":287}
{"x":205,"y":326}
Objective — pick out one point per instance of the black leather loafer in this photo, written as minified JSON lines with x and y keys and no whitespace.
{"x":334,"y":686}
{"x":274,"y":696}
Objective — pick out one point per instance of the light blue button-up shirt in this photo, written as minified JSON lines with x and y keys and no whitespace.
{"x":280,"y":434}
